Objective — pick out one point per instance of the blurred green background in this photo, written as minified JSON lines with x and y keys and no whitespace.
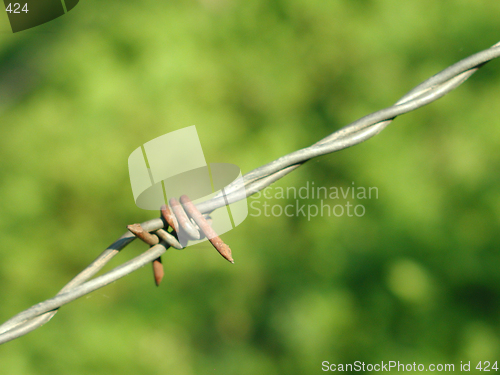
{"x":415,"y":279}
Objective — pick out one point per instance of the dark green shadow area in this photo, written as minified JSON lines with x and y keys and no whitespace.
{"x":30,"y":13}
{"x":70,"y":4}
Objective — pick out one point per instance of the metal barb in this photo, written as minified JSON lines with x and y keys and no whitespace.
{"x":158,"y":271}
{"x":214,"y":239}
{"x":169,"y":239}
{"x":151,"y":240}
{"x":169,"y":217}
{"x":183,"y":220}
{"x":145,"y":236}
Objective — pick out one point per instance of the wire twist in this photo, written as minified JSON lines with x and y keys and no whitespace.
{"x":359,"y":131}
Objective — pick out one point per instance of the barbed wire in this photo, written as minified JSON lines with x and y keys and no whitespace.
{"x":358,"y":131}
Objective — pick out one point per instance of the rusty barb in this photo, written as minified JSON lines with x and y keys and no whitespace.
{"x":151,"y":240}
{"x":206,"y":229}
{"x":187,"y":221}
{"x":198,"y":230}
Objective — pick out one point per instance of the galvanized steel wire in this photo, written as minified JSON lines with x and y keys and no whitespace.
{"x":359,"y":131}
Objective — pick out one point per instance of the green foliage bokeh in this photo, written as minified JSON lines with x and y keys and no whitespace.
{"x":415,"y":279}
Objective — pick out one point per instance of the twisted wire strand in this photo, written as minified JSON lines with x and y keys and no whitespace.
{"x":358,"y":131}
